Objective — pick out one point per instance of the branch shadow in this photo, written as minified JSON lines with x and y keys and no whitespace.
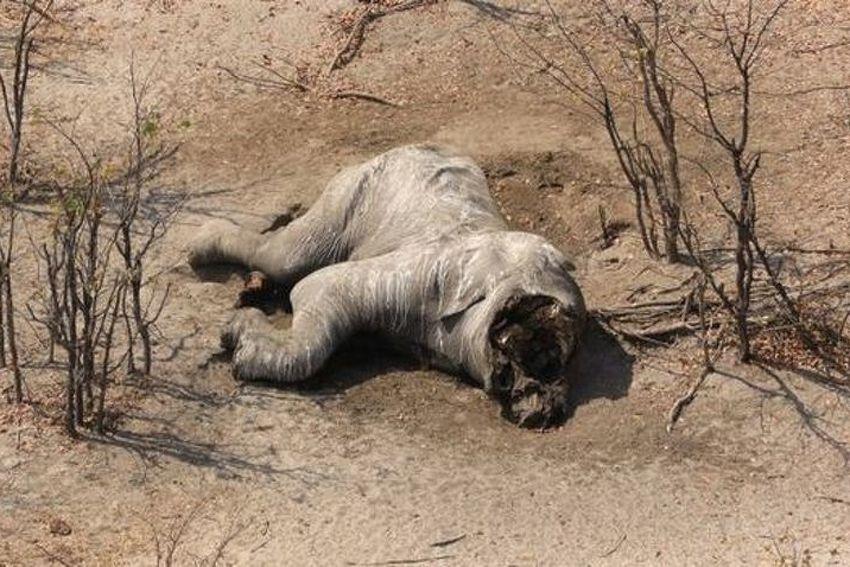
{"x":811,"y":421}
{"x":157,"y":439}
{"x":498,"y":12}
{"x":152,"y":447}
{"x":178,"y":346}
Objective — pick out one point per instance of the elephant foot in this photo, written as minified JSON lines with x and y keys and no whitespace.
{"x":205,"y":247}
{"x":243,"y":321}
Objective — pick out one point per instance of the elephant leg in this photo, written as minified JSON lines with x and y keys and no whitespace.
{"x":284,"y":256}
{"x":264,"y":353}
{"x":222,"y":242}
{"x":321,"y":237}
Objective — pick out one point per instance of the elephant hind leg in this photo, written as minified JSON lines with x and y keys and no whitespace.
{"x":222,"y":242}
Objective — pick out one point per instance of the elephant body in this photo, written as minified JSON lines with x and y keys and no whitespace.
{"x":410,"y":245}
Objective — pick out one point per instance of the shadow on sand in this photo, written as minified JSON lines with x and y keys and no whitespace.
{"x":600,"y":368}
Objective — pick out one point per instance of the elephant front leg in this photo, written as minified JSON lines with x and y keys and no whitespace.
{"x":263,"y":353}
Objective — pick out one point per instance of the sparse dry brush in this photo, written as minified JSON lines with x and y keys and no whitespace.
{"x":95,"y":265}
{"x":140,"y":230}
{"x":608,"y":60}
{"x":79,"y":307}
{"x":94,"y":297}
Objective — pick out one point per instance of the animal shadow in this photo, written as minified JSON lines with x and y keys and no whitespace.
{"x":600,"y":368}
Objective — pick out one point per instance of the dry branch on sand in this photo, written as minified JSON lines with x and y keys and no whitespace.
{"x":273,"y":79}
{"x":712,"y":349}
{"x":815,"y":343}
{"x":321,"y":83}
{"x":356,"y":25}
{"x":818,"y":291}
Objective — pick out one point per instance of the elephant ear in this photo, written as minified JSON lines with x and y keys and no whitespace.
{"x":457,"y":285}
{"x":460,"y":303}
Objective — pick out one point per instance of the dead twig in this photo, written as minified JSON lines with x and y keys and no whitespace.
{"x":52,"y":557}
{"x":363,"y":96}
{"x":447,"y":542}
{"x":282,"y":82}
{"x":357,"y":35}
{"x":404,"y":561}
{"x":682,"y":402}
{"x":616,"y":546}
{"x":834,"y":499}
{"x":823,"y":251}
{"x":710,"y":353}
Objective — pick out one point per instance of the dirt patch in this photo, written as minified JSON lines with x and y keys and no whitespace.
{"x":557,"y":194}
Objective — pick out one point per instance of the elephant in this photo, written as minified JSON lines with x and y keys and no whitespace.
{"x":411,"y":247}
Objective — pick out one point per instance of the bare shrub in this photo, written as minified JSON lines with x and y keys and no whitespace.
{"x":14,"y":88}
{"x":94,"y":266}
{"x":138,"y":232}
{"x":80,"y":305}
{"x":723,"y":89}
{"x":740,"y":36}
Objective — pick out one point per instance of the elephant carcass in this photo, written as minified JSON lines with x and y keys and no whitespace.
{"x":410,"y":245}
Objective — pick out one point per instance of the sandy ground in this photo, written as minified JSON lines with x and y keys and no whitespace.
{"x":381,"y":461}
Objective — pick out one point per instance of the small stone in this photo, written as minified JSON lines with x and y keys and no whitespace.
{"x":59,"y":527}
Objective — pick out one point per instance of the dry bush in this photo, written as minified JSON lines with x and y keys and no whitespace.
{"x":14,"y":81}
{"x":79,"y":305}
{"x":140,"y":230}
{"x":98,"y":300}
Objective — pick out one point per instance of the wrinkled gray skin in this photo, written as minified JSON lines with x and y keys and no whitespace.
{"x":409,"y":245}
